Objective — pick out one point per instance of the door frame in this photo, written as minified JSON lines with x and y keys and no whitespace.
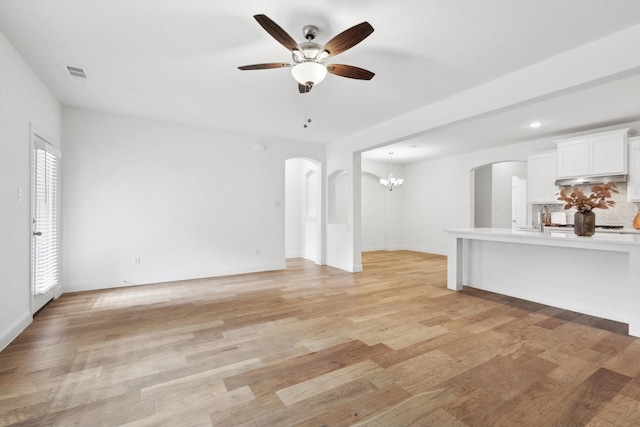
{"x":39,"y":301}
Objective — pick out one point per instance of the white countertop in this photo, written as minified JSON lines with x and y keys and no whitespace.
{"x":598,"y":237}
{"x":570,"y":230}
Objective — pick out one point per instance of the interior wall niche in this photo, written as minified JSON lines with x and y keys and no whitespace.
{"x":338,"y":191}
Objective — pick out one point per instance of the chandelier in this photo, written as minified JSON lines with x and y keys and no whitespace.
{"x":391,"y":181}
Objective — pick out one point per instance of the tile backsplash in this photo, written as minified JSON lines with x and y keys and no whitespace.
{"x":621,"y":214}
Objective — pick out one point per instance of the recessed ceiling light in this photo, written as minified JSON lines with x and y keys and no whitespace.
{"x":535,"y":125}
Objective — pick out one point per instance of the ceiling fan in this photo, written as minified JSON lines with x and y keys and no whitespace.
{"x":309,"y":58}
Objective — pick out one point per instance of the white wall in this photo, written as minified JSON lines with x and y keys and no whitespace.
{"x":381,"y":210}
{"x":293,"y":208}
{"x":23,"y":100}
{"x":374,"y":215}
{"x":502,"y":191}
{"x":482,"y":195}
{"x":438,"y":193}
{"x":187,"y":201}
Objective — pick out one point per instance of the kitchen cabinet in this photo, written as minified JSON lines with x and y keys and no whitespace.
{"x":573,"y":158}
{"x":541,"y":177}
{"x":633,"y":184}
{"x":603,"y":153}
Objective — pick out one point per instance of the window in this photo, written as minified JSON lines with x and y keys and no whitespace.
{"x":46,"y":217}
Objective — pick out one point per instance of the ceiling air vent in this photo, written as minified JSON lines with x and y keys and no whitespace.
{"x":77,"y":74}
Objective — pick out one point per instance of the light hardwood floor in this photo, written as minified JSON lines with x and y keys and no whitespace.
{"x":315,"y":346}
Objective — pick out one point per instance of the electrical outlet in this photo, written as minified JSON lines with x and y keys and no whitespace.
{"x":136,"y":261}
{"x":257,"y":252}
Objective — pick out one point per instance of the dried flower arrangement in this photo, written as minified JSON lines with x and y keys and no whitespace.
{"x":597,"y":198}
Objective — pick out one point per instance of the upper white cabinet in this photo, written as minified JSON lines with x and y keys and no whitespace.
{"x":608,"y":154}
{"x":633,"y":184}
{"x":573,"y":158}
{"x":541,"y":177}
{"x":597,"y":154}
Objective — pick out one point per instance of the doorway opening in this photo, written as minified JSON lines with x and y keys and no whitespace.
{"x":303,"y":210}
{"x":45,"y":221}
{"x":499,"y":195}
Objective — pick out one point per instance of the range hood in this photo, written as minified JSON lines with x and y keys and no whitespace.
{"x":591,"y":180}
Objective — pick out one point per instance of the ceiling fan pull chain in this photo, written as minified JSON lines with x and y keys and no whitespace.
{"x":306,"y":116}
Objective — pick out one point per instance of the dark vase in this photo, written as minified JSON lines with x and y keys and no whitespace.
{"x":584,"y":223}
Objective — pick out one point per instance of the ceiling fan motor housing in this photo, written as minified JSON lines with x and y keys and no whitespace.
{"x":309,"y":51}
{"x":310,"y":32}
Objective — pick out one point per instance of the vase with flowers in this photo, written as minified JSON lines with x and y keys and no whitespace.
{"x":585,"y":219}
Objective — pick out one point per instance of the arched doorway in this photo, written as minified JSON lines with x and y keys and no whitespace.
{"x":499,"y":195}
{"x":303,"y":209}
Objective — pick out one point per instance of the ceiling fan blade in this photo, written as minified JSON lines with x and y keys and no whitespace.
{"x":350,"y":71}
{"x":265,"y":66}
{"x":276,"y":32}
{"x":304,"y":88}
{"x":348,"y":38}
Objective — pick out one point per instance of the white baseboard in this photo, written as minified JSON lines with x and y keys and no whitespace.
{"x":373,"y":248}
{"x":340,"y":266}
{"x":163,"y":278}
{"x":14,"y":329}
{"x":406,"y":248}
{"x":384,"y":248}
{"x":424,"y":250}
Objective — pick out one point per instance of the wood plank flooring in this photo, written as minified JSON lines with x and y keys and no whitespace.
{"x":315,"y":346}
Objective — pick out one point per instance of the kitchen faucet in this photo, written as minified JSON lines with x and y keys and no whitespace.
{"x":542,"y":217}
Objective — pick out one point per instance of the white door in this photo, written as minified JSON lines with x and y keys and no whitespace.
{"x":45,"y":258}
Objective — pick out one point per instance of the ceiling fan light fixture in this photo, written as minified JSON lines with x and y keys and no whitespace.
{"x":309,"y":73}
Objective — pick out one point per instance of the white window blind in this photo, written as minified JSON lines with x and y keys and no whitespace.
{"x":46,"y":217}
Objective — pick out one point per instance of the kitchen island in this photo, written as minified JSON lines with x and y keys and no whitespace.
{"x":598,"y":275}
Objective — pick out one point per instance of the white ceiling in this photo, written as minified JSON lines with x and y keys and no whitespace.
{"x":607,"y":104}
{"x":177,"y":61}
